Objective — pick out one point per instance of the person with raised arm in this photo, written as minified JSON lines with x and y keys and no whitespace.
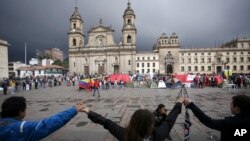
{"x":141,"y":126}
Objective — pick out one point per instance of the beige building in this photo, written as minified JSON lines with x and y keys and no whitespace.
{"x":13,"y":66}
{"x":233,"y":55}
{"x":102,"y":55}
{"x":147,"y":62}
{"x":4,"y":71}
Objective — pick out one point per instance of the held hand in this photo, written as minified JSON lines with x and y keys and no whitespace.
{"x":79,"y":106}
{"x":180,"y":99}
{"x":187,"y":102}
{"x":85,"y":110}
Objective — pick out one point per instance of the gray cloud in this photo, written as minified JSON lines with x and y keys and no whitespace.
{"x":45,"y":23}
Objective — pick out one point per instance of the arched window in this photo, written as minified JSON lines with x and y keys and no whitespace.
{"x":74,"y":25}
{"x":74,"y":42}
{"x":129,"y":39}
{"x":129,"y":22}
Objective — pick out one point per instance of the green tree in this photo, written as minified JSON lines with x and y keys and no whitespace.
{"x":58,"y":62}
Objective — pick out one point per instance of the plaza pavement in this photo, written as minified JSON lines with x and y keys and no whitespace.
{"x":119,"y":104}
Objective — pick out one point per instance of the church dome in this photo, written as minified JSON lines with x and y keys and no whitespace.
{"x":76,"y":15}
{"x":129,"y":10}
{"x":163,"y":36}
{"x":174,"y":35}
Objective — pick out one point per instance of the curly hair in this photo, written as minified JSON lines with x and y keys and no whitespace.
{"x":12,"y":106}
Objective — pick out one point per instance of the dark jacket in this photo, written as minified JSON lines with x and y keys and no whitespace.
{"x":226,"y":126}
{"x":159,"y":118}
{"x":159,"y":133}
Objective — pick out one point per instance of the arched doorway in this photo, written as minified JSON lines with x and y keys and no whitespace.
{"x":169,"y":68}
{"x":219,"y":69}
{"x":169,"y":62}
{"x":101,"y":69}
{"x":116,"y":69}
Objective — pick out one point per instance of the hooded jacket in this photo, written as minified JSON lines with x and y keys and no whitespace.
{"x":17,"y":130}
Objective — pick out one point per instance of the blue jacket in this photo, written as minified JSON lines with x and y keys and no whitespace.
{"x":16,"y":130}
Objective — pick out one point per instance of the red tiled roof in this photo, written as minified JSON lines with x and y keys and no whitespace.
{"x":25,"y":68}
{"x":54,"y":67}
{"x":31,"y":68}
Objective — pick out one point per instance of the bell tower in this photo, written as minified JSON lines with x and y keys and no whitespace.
{"x":75,"y":35}
{"x":129,"y":29}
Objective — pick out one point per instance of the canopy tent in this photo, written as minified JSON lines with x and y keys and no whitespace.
{"x":161,"y":84}
{"x":188,"y":79}
{"x":124,"y":77}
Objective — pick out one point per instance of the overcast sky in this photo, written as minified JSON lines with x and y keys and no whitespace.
{"x":198,"y":23}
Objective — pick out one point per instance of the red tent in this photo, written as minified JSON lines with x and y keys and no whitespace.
{"x":185,"y":78}
{"x":219,"y":79}
{"x":124,"y":77}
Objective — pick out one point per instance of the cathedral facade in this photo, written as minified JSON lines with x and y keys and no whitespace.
{"x":102,"y":55}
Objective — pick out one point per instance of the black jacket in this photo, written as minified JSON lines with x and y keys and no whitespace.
{"x":226,"y":126}
{"x":159,"y":133}
{"x":159,"y":118}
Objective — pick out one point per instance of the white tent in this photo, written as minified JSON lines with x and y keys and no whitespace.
{"x":161,"y":84}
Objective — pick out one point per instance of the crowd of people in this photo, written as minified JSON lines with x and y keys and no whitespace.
{"x":144,"y":125}
{"x":199,"y":81}
{"x":18,"y":84}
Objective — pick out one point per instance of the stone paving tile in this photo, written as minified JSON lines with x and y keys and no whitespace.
{"x":119,"y":104}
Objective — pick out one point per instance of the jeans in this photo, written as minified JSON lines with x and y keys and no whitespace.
{"x":96,"y":89}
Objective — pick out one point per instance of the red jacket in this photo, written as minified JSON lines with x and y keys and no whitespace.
{"x":90,"y":83}
{"x":96,"y":84}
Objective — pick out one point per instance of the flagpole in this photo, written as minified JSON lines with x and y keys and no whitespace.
{"x":25,"y":54}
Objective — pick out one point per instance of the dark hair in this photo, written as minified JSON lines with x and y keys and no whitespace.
{"x":140,"y":126}
{"x":12,"y":106}
{"x":159,"y":107}
{"x":243,"y":102}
